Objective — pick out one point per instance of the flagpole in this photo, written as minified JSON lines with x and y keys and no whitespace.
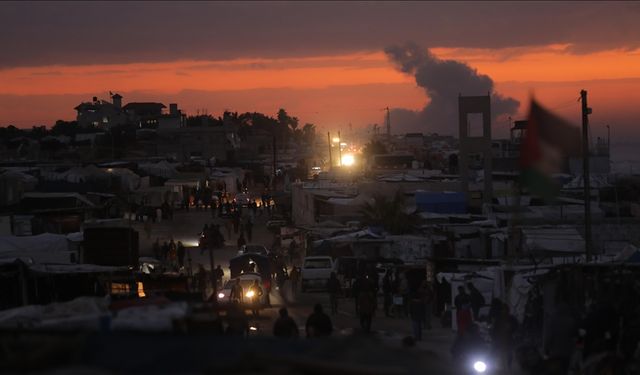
{"x":586,"y":111}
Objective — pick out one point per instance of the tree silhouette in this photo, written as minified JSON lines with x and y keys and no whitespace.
{"x":374,"y":148}
{"x":391,"y":214}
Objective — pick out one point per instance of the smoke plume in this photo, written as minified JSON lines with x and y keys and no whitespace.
{"x":443,"y":81}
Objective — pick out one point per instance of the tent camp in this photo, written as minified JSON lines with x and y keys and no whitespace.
{"x":42,"y":248}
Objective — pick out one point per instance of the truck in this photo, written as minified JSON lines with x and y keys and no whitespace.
{"x":316,"y":271}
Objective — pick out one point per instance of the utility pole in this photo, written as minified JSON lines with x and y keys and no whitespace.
{"x":273,"y":180}
{"x":586,"y":111}
{"x":329,"y":139}
{"x":609,"y":142}
{"x":388,"y":123}
{"x":339,"y":149}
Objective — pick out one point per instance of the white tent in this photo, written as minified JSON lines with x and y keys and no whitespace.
{"x":42,"y":248}
{"x":129,"y":179}
{"x":161,"y":169}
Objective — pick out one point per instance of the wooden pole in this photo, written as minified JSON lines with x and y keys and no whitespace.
{"x":586,"y":111}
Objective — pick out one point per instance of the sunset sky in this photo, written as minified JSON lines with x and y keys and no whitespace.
{"x":323,"y":62}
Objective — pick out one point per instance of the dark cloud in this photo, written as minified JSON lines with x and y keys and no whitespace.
{"x":45,"y":33}
{"x":443,"y":81}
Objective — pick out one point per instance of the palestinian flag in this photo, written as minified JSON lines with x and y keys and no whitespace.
{"x":547,"y":144}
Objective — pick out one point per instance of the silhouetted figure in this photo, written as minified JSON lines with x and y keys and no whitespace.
{"x":366,"y":306}
{"x":417,"y":313}
{"x":463,"y":310}
{"x":237,"y":293}
{"x":502,"y":336}
{"x":428,"y":295}
{"x":241,"y":241}
{"x":387,"y":290}
{"x":219,"y":274}
{"x":477,"y":300}
{"x":318,"y":324}
{"x":181,"y":254}
{"x":256,"y":299}
{"x":238,"y":324}
{"x":285,"y":327}
{"x":560,"y":344}
{"x":334,"y":288}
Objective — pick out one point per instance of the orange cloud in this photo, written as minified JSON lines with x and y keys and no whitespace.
{"x":327,"y":90}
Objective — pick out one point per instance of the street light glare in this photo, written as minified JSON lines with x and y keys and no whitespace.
{"x":348,"y":160}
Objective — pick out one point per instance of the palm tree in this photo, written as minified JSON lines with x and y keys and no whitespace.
{"x":391,"y":214}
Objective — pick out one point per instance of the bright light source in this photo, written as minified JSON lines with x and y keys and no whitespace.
{"x":221,"y":295}
{"x":348,"y":160}
{"x":252,"y":328}
{"x":480,"y":366}
{"x":250,"y":294}
{"x":141,"y":292}
{"x":343,"y":144}
{"x":336,"y":140}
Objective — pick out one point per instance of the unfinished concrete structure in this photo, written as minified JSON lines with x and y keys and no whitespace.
{"x":472,"y":144}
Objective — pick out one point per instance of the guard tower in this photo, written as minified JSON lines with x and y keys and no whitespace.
{"x":475,"y":144}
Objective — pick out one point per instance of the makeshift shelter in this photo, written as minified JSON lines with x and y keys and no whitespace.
{"x":552,"y":241}
{"x":162,"y":169}
{"x":42,"y":248}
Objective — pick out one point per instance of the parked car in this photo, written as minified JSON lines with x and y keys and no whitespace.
{"x":316,"y":271}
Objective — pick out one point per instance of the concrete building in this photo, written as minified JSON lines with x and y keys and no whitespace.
{"x":175,"y":119}
{"x":186,"y":143}
{"x":475,"y":141}
{"x":144,"y":113}
{"x":101,"y":113}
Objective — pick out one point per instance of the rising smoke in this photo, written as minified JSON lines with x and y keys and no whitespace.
{"x":443,"y":81}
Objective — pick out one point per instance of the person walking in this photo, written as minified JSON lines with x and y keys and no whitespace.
{"x":285,"y":327}
{"x":294,"y":277}
{"x":387,"y":290}
{"x":219,"y":274}
{"x":237,"y":293}
{"x":463,"y":310}
{"x":181,"y":253}
{"x":476,"y":299}
{"x":318,"y":324}
{"x":173,"y":254}
{"x":334,"y":288}
{"x":202,"y":281}
{"x":156,"y":249}
{"x":238,"y":324}
{"x":417,"y":314}
{"x":205,"y":238}
{"x":502,"y":336}
{"x":248,"y":227}
{"x":358,"y":286}
{"x":403,"y":290}
{"x":241,"y":241}
{"x":429,"y":296}
{"x":366,"y":306}
{"x":255,"y":297}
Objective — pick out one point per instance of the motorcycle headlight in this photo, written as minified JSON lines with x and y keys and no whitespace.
{"x":220,"y":295}
{"x":250,"y":294}
{"x":479,"y":366}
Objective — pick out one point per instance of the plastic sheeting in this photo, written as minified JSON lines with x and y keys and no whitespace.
{"x":84,"y":311}
{"x":42,"y":248}
{"x":154,"y":318}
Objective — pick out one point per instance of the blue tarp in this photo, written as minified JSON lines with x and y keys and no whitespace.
{"x":441,"y":202}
